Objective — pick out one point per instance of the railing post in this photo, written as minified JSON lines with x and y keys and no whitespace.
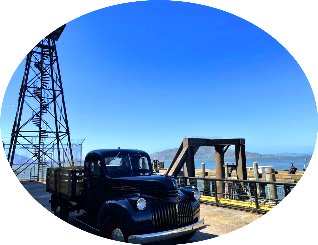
{"x":287,"y":189}
{"x":256,"y":174}
{"x":72,"y":182}
{"x":181,"y":183}
{"x":256,"y":197}
{"x":226,"y":185}
{"x":185,"y":181}
{"x":216,"y":193}
{"x":205,"y":183}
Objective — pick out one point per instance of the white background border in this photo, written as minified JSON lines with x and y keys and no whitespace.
{"x":292,"y":23}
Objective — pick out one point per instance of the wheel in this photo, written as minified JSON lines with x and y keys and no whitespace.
{"x":185,"y":238}
{"x":62,"y":211}
{"x":115,"y":231}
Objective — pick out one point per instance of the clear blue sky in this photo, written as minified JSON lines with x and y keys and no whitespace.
{"x":146,"y":75}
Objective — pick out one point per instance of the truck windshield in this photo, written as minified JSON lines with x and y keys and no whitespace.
{"x":127,"y":163}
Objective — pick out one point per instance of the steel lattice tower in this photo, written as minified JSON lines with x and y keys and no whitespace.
{"x":41,"y":125}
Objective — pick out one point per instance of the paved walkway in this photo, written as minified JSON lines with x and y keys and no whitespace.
{"x":218,"y":220}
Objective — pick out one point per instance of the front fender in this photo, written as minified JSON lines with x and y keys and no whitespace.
{"x":113,"y":210}
{"x":186,"y":193}
{"x":124,"y":212}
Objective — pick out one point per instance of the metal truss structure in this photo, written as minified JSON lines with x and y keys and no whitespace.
{"x":41,"y":125}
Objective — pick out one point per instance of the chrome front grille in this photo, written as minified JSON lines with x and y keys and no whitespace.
{"x":185,"y":213}
{"x":167,"y":215}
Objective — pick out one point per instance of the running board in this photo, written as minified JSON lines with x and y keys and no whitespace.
{"x":87,"y":225}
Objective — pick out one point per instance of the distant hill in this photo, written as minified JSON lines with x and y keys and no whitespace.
{"x":19,"y":159}
{"x":205,"y":152}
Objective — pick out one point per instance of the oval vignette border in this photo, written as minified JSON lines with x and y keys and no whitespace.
{"x":274,"y":17}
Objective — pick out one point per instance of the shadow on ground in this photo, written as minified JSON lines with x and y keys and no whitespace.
{"x":199,"y":236}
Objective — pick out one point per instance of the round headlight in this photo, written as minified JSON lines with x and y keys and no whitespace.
{"x":141,"y":204}
{"x":196,"y":194}
{"x":175,"y":182}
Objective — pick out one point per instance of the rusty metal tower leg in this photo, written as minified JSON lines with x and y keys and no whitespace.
{"x":41,"y":125}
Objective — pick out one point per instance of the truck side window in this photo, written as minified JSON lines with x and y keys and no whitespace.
{"x":143,"y":163}
{"x":113,"y":161}
{"x":95,"y":168}
{"x":139,"y":162}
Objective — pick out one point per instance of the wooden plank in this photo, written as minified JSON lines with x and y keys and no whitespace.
{"x":177,"y":165}
{"x":58,"y":180}
{"x":172,"y":167}
{"x":190,"y":162}
{"x":213,"y":142}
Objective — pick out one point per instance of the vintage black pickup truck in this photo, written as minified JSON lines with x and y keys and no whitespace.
{"x":123,"y":199}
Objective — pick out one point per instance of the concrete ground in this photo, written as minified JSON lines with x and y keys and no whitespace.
{"x":218,"y":220}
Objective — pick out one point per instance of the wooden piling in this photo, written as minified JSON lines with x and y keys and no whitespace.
{"x":240,"y":161}
{"x":226,"y":170}
{"x":206,"y":185}
{"x":203,"y":170}
{"x":270,"y":177}
{"x":219,"y":169}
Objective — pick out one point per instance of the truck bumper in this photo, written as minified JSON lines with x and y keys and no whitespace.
{"x":164,"y":235}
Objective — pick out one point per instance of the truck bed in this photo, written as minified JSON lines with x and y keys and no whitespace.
{"x":66,"y":181}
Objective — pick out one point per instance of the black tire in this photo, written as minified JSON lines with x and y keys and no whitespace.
{"x":114,"y":230}
{"x":185,"y":238}
{"x":62,"y":211}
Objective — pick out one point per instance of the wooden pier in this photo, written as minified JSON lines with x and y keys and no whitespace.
{"x":280,"y":175}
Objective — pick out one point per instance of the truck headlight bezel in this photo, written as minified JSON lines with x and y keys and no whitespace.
{"x":141,"y":204}
{"x":196,"y":194}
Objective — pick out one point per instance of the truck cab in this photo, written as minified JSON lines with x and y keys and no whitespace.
{"x":127,"y":201}
{"x":106,"y":170}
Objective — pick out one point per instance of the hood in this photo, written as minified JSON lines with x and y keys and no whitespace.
{"x":157,"y":186}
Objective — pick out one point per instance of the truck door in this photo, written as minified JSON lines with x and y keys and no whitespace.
{"x":94,"y":184}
